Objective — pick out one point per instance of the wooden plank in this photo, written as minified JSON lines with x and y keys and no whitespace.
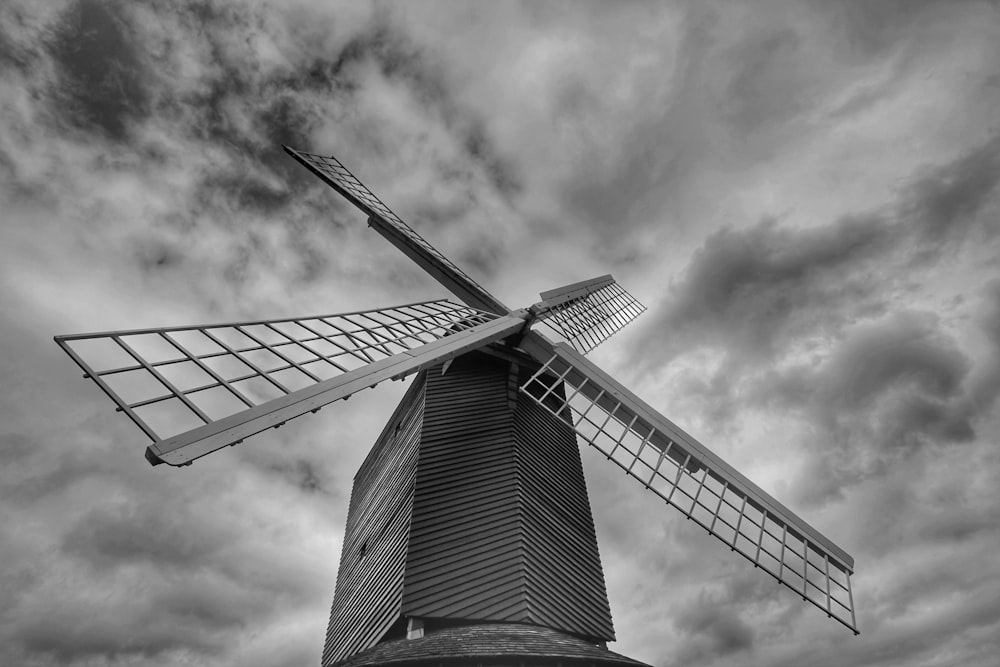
{"x":565,"y":580}
{"x":369,"y":587}
{"x":501,"y":518}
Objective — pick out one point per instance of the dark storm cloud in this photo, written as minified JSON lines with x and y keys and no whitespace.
{"x":483,"y":150}
{"x":778,"y":81}
{"x":223,"y":117}
{"x":182,"y":616}
{"x":750,"y":87}
{"x":109,"y":564}
{"x":103,"y":639}
{"x":300,"y":473}
{"x":481,"y":258}
{"x":200,"y":577}
{"x":396,"y":57}
{"x":274,"y":101}
{"x":889,"y":390}
{"x":15,"y":50}
{"x":905,"y":350}
{"x":869,"y":29}
{"x":957,"y":525}
{"x":749,"y":291}
{"x":415,"y":67}
{"x":944,"y":203}
{"x":38,"y":481}
{"x":248,"y":112}
{"x":609,"y":187}
{"x":402,"y":61}
{"x":103,"y":76}
{"x":985,"y":380}
{"x":112,"y":536}
{"x":808,"y":323}
{"x":247,"y":192}
{"x":764,"y":88}
{"x":711,"y":630}
{"x":156,"y":254}
{"x":753,"y":289}
{"x":622,"y":171}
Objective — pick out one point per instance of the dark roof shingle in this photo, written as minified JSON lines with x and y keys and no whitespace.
{"x":490,"y":643}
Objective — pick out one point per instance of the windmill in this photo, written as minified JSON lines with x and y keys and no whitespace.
{"x":469,"y":532}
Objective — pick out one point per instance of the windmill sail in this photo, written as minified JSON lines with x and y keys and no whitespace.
{"x":688,"y":476}
{"x":471,"y":513}
{"x":397,"y":232}
{"x":587,"y":313}
{"x":196,"y":389}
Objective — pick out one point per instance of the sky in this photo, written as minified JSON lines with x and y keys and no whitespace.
{"x":805,"y":195}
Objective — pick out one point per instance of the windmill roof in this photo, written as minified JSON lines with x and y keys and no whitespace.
{"x":491,"y":643}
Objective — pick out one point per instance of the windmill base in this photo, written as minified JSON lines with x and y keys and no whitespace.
{"x":494,"y":644}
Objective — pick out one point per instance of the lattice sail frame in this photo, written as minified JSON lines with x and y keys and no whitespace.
{"x":588,"y":313}
{"x":175,"y":382}
{"x":685,"y":474}
{"x":333,"y":172}
{"x":706,"y":490}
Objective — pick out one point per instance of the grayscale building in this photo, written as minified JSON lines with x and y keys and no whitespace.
{"x":471,"y":511}
{"x":470,"y":538}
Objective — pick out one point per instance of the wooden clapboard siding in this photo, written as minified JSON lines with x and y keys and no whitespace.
{"x":466,"y":557}
{"x":370,"y":579}
{"x":565,"y":581}
{"x":471,"y":506}
{"x":502,"y":528}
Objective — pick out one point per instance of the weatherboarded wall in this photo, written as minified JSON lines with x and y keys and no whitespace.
{"x":472,"y":506}
{"x":502,"y":528}
{"x":370,"y":579}
{"x":466,"y":556}
{"x":565,"y":581}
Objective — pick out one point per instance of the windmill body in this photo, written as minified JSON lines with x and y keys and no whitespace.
{"x":471,"y":507}
{"x":469,"y":532}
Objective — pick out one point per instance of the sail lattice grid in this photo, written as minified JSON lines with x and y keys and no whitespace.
{"x":589,"y":319}
{"x":706,"y":491}
{"x":335,"y":174}
{"x":170,"y":380}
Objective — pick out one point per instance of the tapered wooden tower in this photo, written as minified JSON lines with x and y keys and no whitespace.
{"x":471,"y":507}
{"x":469,"y":537}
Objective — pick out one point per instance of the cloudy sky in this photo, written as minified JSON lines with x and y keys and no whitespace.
{"x":805,"y":194}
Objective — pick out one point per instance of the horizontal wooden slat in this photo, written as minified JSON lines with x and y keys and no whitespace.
{"x":369,"y":590}
{"x":499,"y":503}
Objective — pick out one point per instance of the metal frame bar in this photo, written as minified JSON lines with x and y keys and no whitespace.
{"x":393,"y":229}
{"x":259,"y":371}
{"x":183,"y":448}
{"x":368,"y":337}
{"x":122,"y":405}
{"x":739,"y":522}
{"x":589,"y":312}
{"x":659,"y":461}
{"x":166,"y":383}
{"x":588,"y":388}
{"x":220,"y":382}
